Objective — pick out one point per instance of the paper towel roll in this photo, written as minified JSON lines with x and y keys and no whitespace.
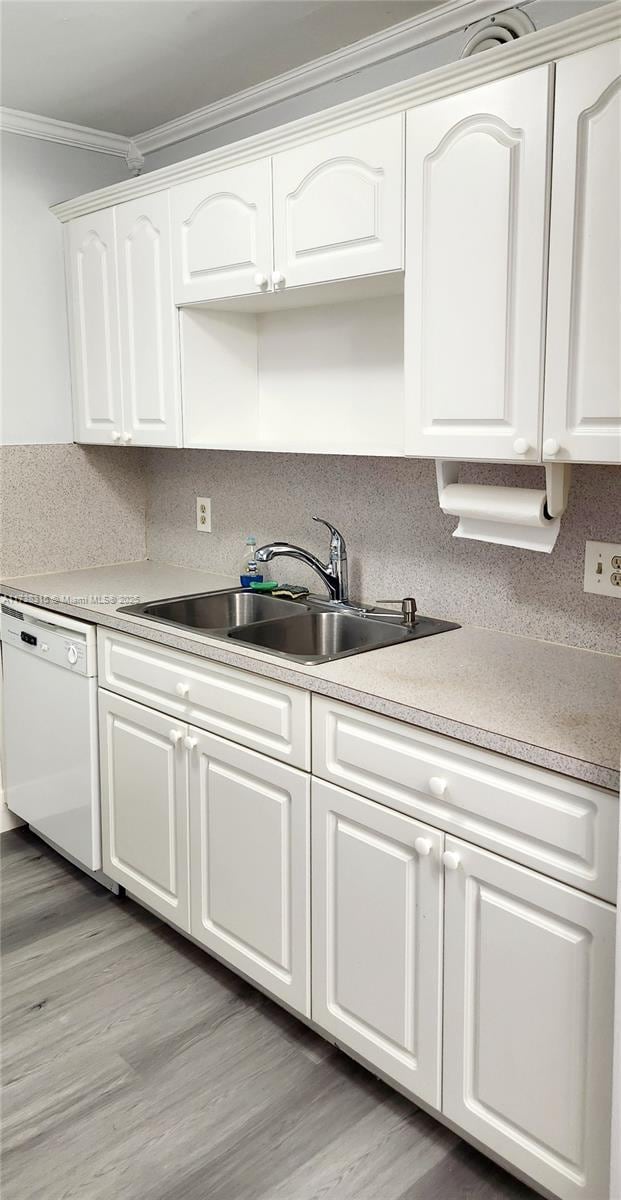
{"x":524,"y":506}
{"x":504,"y":515}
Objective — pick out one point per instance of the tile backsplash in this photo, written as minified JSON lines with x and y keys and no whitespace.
{"x":399,"y":541}
{"x":63,"y":507}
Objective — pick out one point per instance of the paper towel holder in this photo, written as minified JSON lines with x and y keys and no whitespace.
{"x":558,"y":479}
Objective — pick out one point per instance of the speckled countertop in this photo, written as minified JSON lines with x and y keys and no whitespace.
{"x":543,"y":703}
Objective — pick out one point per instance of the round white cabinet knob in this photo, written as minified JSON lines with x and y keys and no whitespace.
{"x":260,"y":280}
{"x":437,"y":786}
{"x":278,"y":278}
{"x":190,"y":742}
{"x":72,"y":655}
{"x":175,"y":736}
{"x":182,"y":689}
{"x":521,"y":446}
{"x":126,"y":437}
{"x":450,"y":860}
{"x":115,"y":435}
{"x":422,"y":846}
{"x":551,"y":447}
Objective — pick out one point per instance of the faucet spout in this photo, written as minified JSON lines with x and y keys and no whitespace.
{"x":333,"y":574}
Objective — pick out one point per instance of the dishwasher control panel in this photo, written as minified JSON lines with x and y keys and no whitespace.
{"x":66,"y":648}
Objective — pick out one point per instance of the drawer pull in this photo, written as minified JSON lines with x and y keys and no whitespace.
{"x":190,"y":742}
{"x":450,"y":860}
{"x":175,"y":736}
{"x":422,"y":846}
{"x":437,"y":786}
{"x":182,"y":689}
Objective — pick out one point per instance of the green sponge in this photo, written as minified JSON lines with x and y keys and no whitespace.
{"x":266,"y":585}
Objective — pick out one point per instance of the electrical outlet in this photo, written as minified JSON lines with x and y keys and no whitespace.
{"x":602,"y":568}
{"x":203,"y":514}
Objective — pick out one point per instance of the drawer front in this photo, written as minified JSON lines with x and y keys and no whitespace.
{"x":256,"y":712}
{"x":559,"y":826}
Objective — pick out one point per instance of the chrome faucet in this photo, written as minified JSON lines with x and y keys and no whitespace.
{"x":333,"y":573}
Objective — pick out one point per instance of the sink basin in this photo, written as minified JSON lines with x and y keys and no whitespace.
{"x":306,"y":631}
{"x":315,"y":637}
{"x":216,"y":610}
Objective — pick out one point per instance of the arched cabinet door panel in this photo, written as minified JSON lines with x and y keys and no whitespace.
{"x":222,"y":234}
{"x":338,"y":205}
{"x":148,"y":323}
{"x":93,"y":327}
{"x":477,"y":170}
{"x":582,"y":413}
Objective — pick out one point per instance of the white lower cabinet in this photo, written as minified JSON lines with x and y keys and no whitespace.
{"x":528,"y":995}
{"x":377,"y":930}
{"x":250,"y":864}
{"x":144,"y":798}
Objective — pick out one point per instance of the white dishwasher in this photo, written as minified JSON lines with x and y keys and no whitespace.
{"x":51,"y":759}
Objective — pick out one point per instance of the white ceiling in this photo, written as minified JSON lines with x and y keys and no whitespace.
{"x":128,"y":65}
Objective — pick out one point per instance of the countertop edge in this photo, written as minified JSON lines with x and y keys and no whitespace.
{"x":552,"y":760}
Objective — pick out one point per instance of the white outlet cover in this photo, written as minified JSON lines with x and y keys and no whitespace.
{"x":203,"y":514}
{"x":602,"y":568}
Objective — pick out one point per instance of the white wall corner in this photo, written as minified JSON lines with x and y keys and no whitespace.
{"x":134,"y":158}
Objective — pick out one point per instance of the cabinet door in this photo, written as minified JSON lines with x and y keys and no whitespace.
{"x":249,"y":825}
{"x":377,"y":928}
{"x":528,"y":1020}
{"x":222,"y":234}
{"x":144,"y":800}
{"x":94,"y":328}
{"x":338,"y":205}
{"x":477,"y":166}
{"x":148,"y":323}
{"x":582,"y":413}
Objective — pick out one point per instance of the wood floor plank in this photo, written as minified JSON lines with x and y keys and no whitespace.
{"x":135,"y":1067}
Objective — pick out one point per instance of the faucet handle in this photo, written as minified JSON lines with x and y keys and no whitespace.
{"x":338,"y":541}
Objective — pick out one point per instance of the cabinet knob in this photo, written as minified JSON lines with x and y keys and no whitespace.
{"x":182,"y":689}
{"x":422,"y":846}
{"x":175,"y":736}
{"x":450,"y":860}
{"x":437,"y":786}
{"x":278,"y":278}
{"x":190,"y":742}
{"x":260,"y":280}
{"x":521,"y":446}
{"x":115,"y":435}
{"x":126,"y":438}
{"x":551,"y":447}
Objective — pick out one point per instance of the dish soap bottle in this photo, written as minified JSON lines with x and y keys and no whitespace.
{"x":250,"y":571}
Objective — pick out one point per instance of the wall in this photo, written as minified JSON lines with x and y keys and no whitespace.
{"x":399,"y":541}
{"x":36,"y":387}
{"x":404,"y":66}
{"x":64,"y":507}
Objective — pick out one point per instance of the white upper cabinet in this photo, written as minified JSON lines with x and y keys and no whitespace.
{"x":222,"y":234}
{"x":377,"y":935}
{"x":582,"y":415}
{"x":528,"y":996}
{"x":148,"y":323}
{"x":338,"y":205}
{"x":94,"y":330}
{"x":477,"y":170}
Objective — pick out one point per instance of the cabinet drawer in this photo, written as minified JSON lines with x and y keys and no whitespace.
{"x":559,"y":826}
{"x":256,"y":712}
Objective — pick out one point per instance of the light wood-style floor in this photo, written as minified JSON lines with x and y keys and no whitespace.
{"x":137,"y":1068}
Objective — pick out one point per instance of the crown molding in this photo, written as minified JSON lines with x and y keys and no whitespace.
{"x":47,"y":129}
{"x":379,"y":47}
{"x":534,"y":49}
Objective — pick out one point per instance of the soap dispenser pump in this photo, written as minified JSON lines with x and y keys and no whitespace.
{"x":249,"y":571}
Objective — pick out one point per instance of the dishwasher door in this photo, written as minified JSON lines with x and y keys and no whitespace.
{"x":51,"y":763}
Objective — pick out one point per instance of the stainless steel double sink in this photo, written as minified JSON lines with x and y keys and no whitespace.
{"x":307,"y":631}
